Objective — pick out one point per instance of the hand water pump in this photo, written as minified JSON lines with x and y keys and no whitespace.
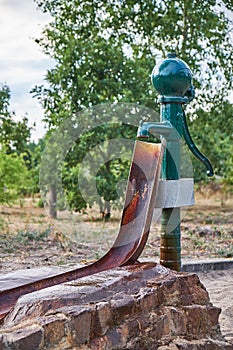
{"x":173,"y":81}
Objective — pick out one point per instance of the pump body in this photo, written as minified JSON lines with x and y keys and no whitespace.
{"x":172,"y":79}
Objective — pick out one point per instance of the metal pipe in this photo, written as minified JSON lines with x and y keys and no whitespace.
{"x":170,"y":251}
{"x":156,"y":128}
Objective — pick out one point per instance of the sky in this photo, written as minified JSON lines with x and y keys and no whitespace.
{"x":22,"y":63}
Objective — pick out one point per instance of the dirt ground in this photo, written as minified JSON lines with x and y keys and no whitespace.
{"x":29,"y":238}
{"x":219,"y":285}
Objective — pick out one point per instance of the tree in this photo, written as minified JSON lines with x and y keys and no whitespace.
{"x":14,"y":136}
{"x":214,"y":132}
{"x":102,"y":170}
{"x":91,"y":42}
{"x":105,"y":52}
{"x":14,"y":177}
{"x":35,"y":150}
{"x":91,"y":136}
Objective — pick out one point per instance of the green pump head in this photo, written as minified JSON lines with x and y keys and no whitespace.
{"x":172,"y":77}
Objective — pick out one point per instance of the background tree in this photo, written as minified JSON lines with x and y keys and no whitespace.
{"x":35,"y":150}
{"x":90,"y":42}
{"x":214,"y":131}
{"x":14,"y":135}
{"x":14,"y":177}
{"x":14,"y":155}
{"x":105,"y":51}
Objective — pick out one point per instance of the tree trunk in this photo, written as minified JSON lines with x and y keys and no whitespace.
{"x":52,"y":202}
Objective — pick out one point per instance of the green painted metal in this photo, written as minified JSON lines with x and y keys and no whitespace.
{"x":173,"y":81}
{"x":172,"y":77}
{"x":170,"y":249}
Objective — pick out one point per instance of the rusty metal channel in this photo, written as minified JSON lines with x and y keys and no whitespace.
{"x":134,"y":228}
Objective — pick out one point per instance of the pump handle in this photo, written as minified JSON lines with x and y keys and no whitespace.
{"x":194,"y":149}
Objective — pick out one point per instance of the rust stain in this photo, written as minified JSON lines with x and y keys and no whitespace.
{"x":129,"y":212}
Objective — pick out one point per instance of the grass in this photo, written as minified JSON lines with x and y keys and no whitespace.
{"x":226,"y":252}
{"x":23,"y":237}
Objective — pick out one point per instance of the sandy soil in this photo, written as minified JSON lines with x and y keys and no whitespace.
{"x":219,"y":285}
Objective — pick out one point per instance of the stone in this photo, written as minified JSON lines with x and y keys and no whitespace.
{"x":27,"y":337}
{"x":103,"y":319}
{"x":177,"y":320}
{"x":205,"y":231}
{"x":122,"y":306}
{"x":147,"y":298}
{"x":137,"y":307}
{"x":79,"y":324}
{"x":54,"y":328}
{"x":1,"y":342}
{"x":203,"y":344}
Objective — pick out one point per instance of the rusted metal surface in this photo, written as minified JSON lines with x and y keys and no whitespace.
{"x":134,"y":229}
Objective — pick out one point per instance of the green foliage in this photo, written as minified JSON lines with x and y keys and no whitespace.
{"x":13,"y":135}
{"x":213,"y":131}
{"x":35,"y":151}
{"x":25,"y":236}
{"x":109,"y":179}
{"x":14,"y":177}
{"x":14,"y":155}
{"x":111,"y":171}
{"x":105,"y":51}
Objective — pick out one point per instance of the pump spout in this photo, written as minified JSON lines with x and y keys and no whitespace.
{"x":159,"y":129}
